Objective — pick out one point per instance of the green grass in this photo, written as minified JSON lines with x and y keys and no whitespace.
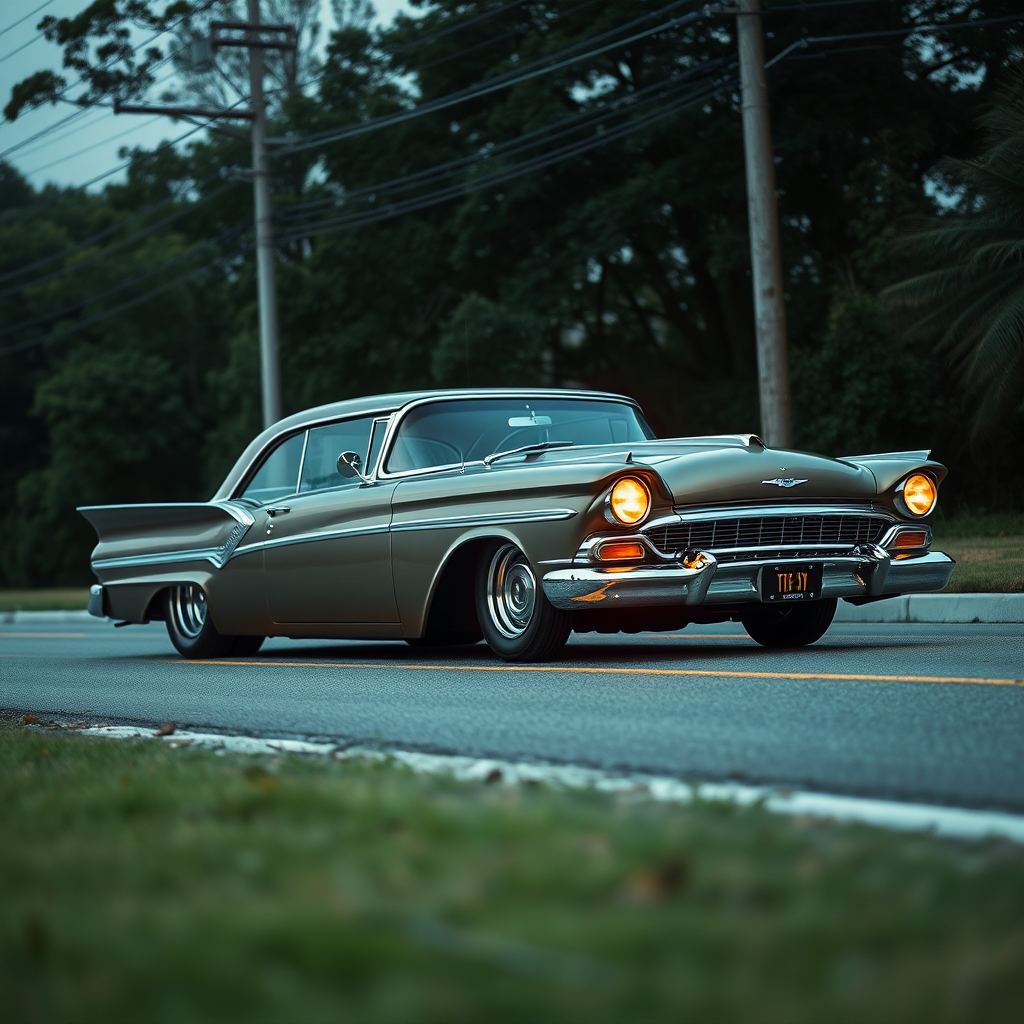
{"x":988,"y":548}
{"x":46,"y":599}
{"x":141,"y":882}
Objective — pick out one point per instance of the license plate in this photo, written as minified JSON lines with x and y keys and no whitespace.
{"x":799,"y":581}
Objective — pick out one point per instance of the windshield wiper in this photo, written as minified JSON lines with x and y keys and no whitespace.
{"x":539,"y":446}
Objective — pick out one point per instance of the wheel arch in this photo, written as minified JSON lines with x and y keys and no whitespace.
{"x":451,"y":598}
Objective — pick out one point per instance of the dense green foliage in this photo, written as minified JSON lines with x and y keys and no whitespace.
{"x":623,"y":265}
{"x":241,"y":888}
{"x":971,"y":297}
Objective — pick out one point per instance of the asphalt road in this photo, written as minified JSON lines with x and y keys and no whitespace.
{"x":941,"y":722}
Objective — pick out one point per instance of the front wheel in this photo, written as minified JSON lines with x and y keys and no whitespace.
{"x":518,"y":621}
{"x":191,"y":628}
{"x":791,"y":626}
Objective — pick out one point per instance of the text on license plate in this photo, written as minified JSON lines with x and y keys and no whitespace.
{"x":791,"y":582}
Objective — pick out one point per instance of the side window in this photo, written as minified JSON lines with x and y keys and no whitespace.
{"x":320,"y":465}
{"x":279,"y":474}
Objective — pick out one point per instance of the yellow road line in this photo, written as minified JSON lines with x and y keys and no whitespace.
{"x":717,"y":673}
{"x":42,"y":636}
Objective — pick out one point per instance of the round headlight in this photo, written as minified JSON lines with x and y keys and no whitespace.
{"x":630,"y":501}
{"x":919,"y":493}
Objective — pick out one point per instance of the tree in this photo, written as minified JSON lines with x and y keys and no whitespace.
{"x":969,"y":299}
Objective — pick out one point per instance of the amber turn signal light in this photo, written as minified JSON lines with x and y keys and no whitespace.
{"x":919,"y":494}
{"x":911,"y":539}
{"x":630,"y":501}
{"x":619,"y":551}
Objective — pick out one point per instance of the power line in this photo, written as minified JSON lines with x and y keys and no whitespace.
{"x":129,"y":304}
{"x":23,"y":46}
{"x":498,"y":177}
{"x":574,"y":123}
{"x":545,"y":65}
{"x":25,"y":17}
{"x":94,"y":145}
{"x":56,"y":314}
{"x":24,"y":210}
{"x":909,"y":30}
{"x":102,"y":254}
{"x":457,"y":27}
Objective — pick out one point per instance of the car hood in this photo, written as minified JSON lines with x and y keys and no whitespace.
{"x":709,"y":471}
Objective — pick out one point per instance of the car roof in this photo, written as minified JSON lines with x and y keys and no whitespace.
{"x":382,"y":405}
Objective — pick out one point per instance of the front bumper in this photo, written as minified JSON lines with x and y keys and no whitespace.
{"x":869,"y":573}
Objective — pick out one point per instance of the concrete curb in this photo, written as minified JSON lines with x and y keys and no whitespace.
{"x":912,"y":608}
{"x":937,"y":608}
{"x":45,"y":618}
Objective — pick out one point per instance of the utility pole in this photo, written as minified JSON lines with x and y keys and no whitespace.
{"x":763,"y":213}
{"x":255,"y":37}
{"x":270,"y":366}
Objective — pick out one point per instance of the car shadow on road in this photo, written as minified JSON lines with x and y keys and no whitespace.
{"x":588,"y":653}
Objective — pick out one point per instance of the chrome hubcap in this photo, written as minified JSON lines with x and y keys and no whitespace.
{"x":188,"y":606}
{"x":511,"y":591}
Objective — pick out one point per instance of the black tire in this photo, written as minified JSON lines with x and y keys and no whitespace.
{"x":517,"y":620}
{"x":191,"y":628}
{"x":792,"y":626}
{"x":246,"y":646}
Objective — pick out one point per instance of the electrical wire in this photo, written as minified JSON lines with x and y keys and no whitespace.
{"x":909,"y":30}
{"x":25,"y":17}
{"x":56,"y":314}
{"x":24,"y":210}
{"x":94,"y":145}
{"x":99,"y":235}
{"x":103,"y":253}
{"x":23,"y":46}
{"x":498,"y":177}
{"x":574,"y":123}
{"x":80,"y":325}
{"x":545,"y":65}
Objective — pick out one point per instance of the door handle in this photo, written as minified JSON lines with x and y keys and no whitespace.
{"x":278,"y":510}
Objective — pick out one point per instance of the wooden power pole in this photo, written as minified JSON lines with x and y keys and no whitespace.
{"x":763,"y":213}
{"x":254,"y":37}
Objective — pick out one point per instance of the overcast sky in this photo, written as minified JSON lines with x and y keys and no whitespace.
{"x":87,"y":146}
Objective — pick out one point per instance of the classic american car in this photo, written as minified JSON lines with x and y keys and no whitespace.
{"x":516,"y":516}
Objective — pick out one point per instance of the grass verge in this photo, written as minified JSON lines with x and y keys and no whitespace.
{"x":173,"y":884}
{"x":988,"y":548}
{"x":66,"y":599}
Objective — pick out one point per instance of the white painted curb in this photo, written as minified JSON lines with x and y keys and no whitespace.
{"x":937,"y":608}
{"x":954,"y":822}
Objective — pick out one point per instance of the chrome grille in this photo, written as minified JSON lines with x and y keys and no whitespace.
{"x":818,"y":534}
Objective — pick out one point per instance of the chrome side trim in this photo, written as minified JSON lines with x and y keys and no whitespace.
{"x":315,"y":535}
{"x":160,"y":558}
{"x":217,"y":556}
{"x":924,"y":454}
{"x":544,"y":515}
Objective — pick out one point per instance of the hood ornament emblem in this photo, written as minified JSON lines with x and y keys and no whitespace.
{"x":787,"y":481}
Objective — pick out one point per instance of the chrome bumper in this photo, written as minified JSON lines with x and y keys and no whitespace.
{"x":870,"y":573}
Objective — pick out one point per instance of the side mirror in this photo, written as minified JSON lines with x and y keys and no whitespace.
{"x":350,"y":466}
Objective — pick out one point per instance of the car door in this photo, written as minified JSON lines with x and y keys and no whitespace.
{"x":327,"y":550}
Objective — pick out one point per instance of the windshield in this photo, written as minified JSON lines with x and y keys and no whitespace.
{"x":450,"y":433}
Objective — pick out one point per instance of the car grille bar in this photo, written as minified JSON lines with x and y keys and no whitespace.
{"x":772,"y":532}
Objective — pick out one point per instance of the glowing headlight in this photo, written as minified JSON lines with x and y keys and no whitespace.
{"x":918,"y":494}
{"x":630,"y":501}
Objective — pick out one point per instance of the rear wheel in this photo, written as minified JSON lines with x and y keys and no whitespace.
{"x":191,"y":628}
{"x":518,"y":621}
{"x":791,"y":626}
